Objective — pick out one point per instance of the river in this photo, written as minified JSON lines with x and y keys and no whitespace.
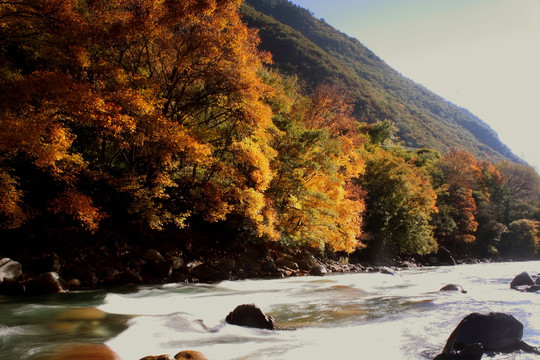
{"x":366,"y":315}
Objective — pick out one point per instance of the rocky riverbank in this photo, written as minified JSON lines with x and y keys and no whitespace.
{"x":52,"y":273}
{"x":85,"y":263}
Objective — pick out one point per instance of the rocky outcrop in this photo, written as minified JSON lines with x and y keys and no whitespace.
{"x":155,"y":268}
{"x":46,"y":283}
{"x":318,"y":270}
{"x":118,"y":263}
{"x":306,"y":261}
{"x":10,"y":270}
{"x":10,"y":273}
{"x":127,"y":276}
{"x":251,"y":316}
{"x":496,"y":332}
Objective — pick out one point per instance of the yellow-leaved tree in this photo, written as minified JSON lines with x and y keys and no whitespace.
{"x":318,"y":146}
{"x":144,"y":109}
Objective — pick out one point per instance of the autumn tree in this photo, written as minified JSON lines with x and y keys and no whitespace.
{"x":519,"y":195}
{"x":465,"y":188}
{"x":522,"y":240}
{"x":318,"y":156}
{"x":156,"y":102}
{"x":399,"y":204}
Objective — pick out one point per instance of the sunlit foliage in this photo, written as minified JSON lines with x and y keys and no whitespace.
{"x":318,"y":146}
{"x":400,"y":202}
{"x":161,"y":100}
{"x":163,"y":114}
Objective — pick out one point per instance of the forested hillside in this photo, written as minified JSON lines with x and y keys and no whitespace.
{"x":147,"y":123}
{"x":317,"y":53}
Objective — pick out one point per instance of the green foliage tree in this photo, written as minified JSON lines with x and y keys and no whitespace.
{"x":519,"y":195}
{"x":399,"y":204}
{"x":521,"y":240}
{"x":382,"y":132}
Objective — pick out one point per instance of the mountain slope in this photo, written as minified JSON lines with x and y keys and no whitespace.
{"x":317,"y":53}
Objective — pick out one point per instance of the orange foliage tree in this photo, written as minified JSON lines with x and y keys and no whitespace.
{"x":464,"y":186}
{"x":157,"y":102}
{"x":319,"y":154}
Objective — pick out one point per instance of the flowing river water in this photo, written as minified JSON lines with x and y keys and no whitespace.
{"x":366,"y":315}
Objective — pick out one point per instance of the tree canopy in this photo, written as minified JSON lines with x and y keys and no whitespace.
{"x":165,"y":114}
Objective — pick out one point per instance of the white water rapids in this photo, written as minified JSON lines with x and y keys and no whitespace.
{"x":366,"y":315}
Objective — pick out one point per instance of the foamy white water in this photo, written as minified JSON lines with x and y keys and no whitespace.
{"x":339,"y":316}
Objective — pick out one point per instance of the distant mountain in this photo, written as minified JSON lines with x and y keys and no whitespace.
{"x":317,"y":53}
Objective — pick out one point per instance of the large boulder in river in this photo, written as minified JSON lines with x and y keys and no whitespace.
{"x":46,"y":283}
{"x":496,"y":332}
{"x":306,"y":261}
{"x":319,"y":270}
{"x":522,"y":280}
{"x":10,"y":270}
{"x":251,"y":316}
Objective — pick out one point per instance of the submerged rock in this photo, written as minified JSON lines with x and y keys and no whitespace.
{"x":453,"y":287}
{"x":496,"y":332}
{"x":84,"y":352}
{"x":471,"y":352}
{"x":523,"y":279}
{"x":86,"y":314}
{"x":190,"y":355}
{"x":251,"y":316}
{"x":534,"y":288}
{"x":387,"y":271}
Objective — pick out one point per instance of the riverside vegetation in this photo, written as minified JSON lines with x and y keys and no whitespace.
{"x":143,"y":124}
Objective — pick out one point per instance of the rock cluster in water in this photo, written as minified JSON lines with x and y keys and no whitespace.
{"x":525,"y":282}
{"x":493,"y":332}
{"x":480,"y":333}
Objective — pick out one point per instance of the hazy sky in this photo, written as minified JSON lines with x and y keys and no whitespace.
{"x":483,"y":55}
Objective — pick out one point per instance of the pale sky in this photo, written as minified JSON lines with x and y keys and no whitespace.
{"x":483,"y":55}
